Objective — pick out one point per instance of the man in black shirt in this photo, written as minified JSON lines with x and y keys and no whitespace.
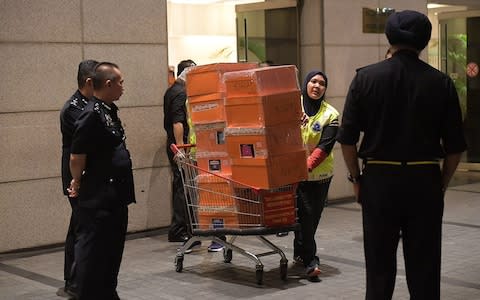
{"x":175,"y":123}
{"x":68,"y":115}
{"x":410,"y":117}
{"x":102,"y":180}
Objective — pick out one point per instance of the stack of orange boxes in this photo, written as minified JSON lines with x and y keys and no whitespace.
{"x":263,"y":137}
{"x":206,"y":93}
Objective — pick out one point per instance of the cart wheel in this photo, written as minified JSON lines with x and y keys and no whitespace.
{"x":227,"y":255}
{"x":259,"y":276}
{"x":179,"y":263}
{"x":283,"y":270}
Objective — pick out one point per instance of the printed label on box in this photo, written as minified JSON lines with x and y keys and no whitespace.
{"x":203,"y":107}
{"x":215,"y":165}
{"x":220,"y":137}
{"x":247,"y":150}
{"x":218,"y":223}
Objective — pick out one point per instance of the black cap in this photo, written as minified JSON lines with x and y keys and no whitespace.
{"x":184,"y":64}
{"x":409,"y":28}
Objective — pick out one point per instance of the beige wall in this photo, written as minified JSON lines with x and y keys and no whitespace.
{"x":41,"y":44}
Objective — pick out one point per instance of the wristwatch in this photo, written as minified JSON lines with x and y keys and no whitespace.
{"x":353,"y":179}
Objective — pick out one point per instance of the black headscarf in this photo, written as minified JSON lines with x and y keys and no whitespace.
{"x":311,"y":106}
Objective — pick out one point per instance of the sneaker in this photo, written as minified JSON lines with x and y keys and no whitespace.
{"x":298,"y":260}
{"x":178,"y":239}
{"x":215,"y":247}
{"x":314,"y":278}
{"x":282,"y":234}
{"x":312,"y":272}
{"x":66,"y":292}
{"x":194,"y":246}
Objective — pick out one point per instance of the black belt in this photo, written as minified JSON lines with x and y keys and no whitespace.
{"x":400,"y":163}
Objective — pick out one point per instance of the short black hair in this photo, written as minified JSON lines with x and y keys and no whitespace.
{"x":184,"y":64}
{"x":86,"y":69}
{"x":103,"y":72}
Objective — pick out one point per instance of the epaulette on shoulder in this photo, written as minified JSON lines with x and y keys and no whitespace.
{"x":75,"y":102}
{"x":96,"y":107}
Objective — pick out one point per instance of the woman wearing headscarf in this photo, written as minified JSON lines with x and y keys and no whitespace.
{"x":319,"y":129}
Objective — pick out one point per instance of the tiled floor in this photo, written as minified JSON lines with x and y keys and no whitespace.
{"x":148,"y":271}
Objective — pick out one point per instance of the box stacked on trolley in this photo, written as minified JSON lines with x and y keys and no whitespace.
{"x":263,"y":138}
{"x":206,"y":96}
{"x":246,"y":122}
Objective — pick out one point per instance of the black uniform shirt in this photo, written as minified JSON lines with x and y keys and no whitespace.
{"x":68,"y":115}
{"x":108,"y":178}
{"x":406,"y":109}
{"x":175,"y":110}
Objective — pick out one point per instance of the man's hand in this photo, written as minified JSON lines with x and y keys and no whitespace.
{"x":356,"y":192}
{"x":74,"y":188}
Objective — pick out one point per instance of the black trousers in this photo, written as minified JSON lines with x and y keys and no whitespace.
{"x":407,"y":199}
{"x":99,"y":251}
{"x":69,"y":262}
{"x":311,"y":197}
{"x":178,"y":224}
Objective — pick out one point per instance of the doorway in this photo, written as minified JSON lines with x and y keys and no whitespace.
{"x":460,"y":59}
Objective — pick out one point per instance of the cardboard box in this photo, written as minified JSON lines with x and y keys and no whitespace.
{"x":208,"y":79}
{"x":267,"y":110}
{"x":210,"y":137}
{"x":207,"y":108}
{"x":272,"y":172}
{"x":214,"y":191}
{"x":274,"y":208}
{"x":261,"y":81}
{"x":280,"y":217}
{"x":217,"y":219}
{"x":262,"y":142}
{"x":217,"y":162}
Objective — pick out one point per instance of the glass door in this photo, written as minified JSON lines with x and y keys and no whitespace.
{"x":268,"y":32}
{"x":460,"y":59}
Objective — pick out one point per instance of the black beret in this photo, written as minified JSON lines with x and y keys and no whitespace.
{"x":409,"y":28}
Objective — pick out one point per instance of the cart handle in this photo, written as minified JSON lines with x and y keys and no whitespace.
{"x":176,"y":148}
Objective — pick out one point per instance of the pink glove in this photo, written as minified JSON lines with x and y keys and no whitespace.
{"x":316,"y":158}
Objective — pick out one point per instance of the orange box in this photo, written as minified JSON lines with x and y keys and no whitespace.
{"x":265,"y":110}
{"x":216,"y":219}
{"x":262,"y":142}
{"x":271,"y":211}
{"x":280,"y":217}
{"x":210,"y":137}
{"x":208,"y":79}
{"x":215,"y":191}
{"x":279,"y":200}
{"x":271,"y":172}
{"x":207,"y":108}
{"x":218,"y":162}
{"x":261,"y":81}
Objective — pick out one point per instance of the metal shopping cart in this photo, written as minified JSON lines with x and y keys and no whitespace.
{"x":219,"y":206}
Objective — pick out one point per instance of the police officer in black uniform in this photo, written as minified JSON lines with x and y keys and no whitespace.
{"x":103,"y":182}
{"x":68,"y":115}
{"x":410,"y":116}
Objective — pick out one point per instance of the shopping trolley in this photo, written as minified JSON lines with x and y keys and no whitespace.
{"x":218,"y":206}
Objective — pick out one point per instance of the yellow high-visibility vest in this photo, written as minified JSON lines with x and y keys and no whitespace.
{"x":311,"y":135}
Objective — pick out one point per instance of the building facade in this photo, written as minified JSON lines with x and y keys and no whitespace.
{"x":41,"y":44}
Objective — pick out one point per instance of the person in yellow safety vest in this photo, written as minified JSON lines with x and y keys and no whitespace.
{"x":319,"y":129}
